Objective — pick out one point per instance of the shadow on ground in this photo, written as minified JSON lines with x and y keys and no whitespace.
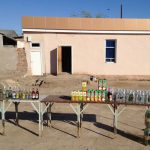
{"x":69,"y":118}
{"x":120,"y":132}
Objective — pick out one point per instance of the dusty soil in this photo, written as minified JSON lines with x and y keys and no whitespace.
{"x":97,"y":131}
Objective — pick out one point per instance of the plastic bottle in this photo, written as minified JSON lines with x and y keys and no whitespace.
{"x":30,"y":94}
{"x":84,"y":96}
{"x":17,"y":93}
{"x":92,"y":95}
{"x":80,"y":96}
{"x":84,"y":86}
{"x":10,"y":93}
{"x":104,"y":84}
{"x":33,"y":94}
{"x":7,"y":93}
{"x":103,"y":96}
{"x":88,"y":98}
{"x":100,"y":84}
{"x":14,"y":94}
{"x":99,"y":95}
{"x":96,"y":96}
{"x":27,"y":94}
{"x":23,"y":94}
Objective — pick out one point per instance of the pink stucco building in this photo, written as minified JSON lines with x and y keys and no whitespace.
{"x":96,"y":46}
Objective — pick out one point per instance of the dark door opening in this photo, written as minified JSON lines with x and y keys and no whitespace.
{"x":66,"y":59}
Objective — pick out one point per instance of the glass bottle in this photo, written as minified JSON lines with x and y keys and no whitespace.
{"x":10,"y":93}
{"x":37,"y":94}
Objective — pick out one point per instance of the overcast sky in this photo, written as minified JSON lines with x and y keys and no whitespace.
{"x":11,"y":11}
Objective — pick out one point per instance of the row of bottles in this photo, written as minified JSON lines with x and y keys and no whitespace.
{"x":102,"y":85}
{"x":16,"y":93}
{"x":102,"y":94}
{"x":132,"y":96}
{"x":91,"y":95}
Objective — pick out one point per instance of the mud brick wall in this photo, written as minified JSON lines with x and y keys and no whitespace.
{"x":8,"y":59}
{"x":22,"y":61}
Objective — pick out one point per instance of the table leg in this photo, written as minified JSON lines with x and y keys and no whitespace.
{"x":115,"y":120}
{"x":17,"y":114}
{"x":81,"y":114}
{"x":3,"y":117}
{"x":116,"y":113}
{"x":80,"y":107}
{"x":78,"y":120}
{"x":49,"y":115}
{"x":40,"y":120}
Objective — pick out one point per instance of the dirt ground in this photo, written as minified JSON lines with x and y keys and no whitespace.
{"x":97,"y":131}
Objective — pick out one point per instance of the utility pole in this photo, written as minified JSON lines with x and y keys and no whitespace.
{"x":121,"y":11}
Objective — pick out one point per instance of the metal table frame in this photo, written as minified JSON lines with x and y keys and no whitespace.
{"x":80,"y":107}
{"x":36,"y":105}
{"x":78,"y":110}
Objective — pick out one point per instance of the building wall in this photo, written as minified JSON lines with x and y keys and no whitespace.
{"x":88,"y":53}
{"x":1,"y":40}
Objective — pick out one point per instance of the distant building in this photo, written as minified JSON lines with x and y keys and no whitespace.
{"x":99,"y":46}
{"x":7,"y":38}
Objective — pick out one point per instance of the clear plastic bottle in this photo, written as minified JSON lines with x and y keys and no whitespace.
{"x":96,"y":95}
{"x":14,"y":93}
{"x":92,"y":95}
{"x":84,"y":96}
{"x":100,"y":84}
{"x":88,"y":98}
{"x":99,"y":95}
{"x":33,"y":94}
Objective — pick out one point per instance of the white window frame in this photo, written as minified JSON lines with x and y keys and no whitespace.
{"x":112,"y":60}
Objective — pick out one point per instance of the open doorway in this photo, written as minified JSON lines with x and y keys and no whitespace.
{"x":66,"y":59}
